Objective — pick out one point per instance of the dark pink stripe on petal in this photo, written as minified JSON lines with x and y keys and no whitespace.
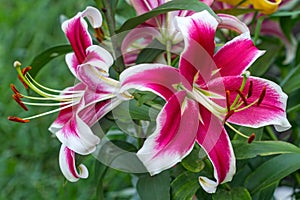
{"x":236,"y":56}
{"x":212,"y":137}
{"x":174,"y":136}
{"x":78,"y":36}
{"x":70,"y":157}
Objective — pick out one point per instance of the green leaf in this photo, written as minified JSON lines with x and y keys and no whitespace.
{"x":233,"y":194}
{"x":193,"y":162}
{"x":262,"y":64}
{"x":244,"y":150}
{"x":43,"y":58}
{"x":154,"y":187}
{"x":292,"y":81}
{"x":185,"y":186}
{"x":271,"y":171}
{"x":285,"y":13}
{"x":235,"y":11}
{"x":148,"y":54}
{"x":193,"y":5}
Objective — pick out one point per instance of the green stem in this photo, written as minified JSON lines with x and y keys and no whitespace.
{"x":111,"y":23}
{"x":271,"y":133}
{"x":168,"y":49}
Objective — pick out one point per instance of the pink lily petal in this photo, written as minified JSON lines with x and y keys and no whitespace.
{"x":198,"y":32}
{"x":68,"y":166}
{"x":99,"y":58}
{"x":95,"y":80}
{"x":78,"y":136}
{"x":212,"y":137}
{"x":232,"y":23}
{"x":77,"y":33}
{"x":237,"y":55}
{"x":157,"y":78}
{"x":271,"y":110}
{"x":65,"y":114}
{"x":96,"y":105}
{"x":171,"y":141}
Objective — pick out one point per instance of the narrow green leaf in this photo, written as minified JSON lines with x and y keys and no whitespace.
{"x":154,"y":187}
{"x":244,"y":150}
{"x":233,"y":194}
{"x":286,"y":13}
{"x":43,"y":58}
{"x":149,"y":53}
{"x":262,"y":64}
{"x":185,"y":186}
{"x":292,"y":81}
{"x":235,"y":11}
{"x":193,"y":5}
{"x":271,"y":171}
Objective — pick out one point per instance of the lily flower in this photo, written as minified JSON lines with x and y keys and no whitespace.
{"x":210,"y":90}
{"x":82,"y":105}
{"x":160,"y":28}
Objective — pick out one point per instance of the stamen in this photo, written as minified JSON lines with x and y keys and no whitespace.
{"x":229,"y":114}
{"x":239,"y":133}
{"x":18,"y":100}
{"x":99,"y":34}
{"x":251,"y":138}
{"x":242,"y":97}
{"x":18,"y":119}
{"x":228,"y":100}
{"x":14,"y":89}
{"x":262,"y":95}
{"x":250,"y":90}
{"x":26,"y":69}
{"x":23,"y":82}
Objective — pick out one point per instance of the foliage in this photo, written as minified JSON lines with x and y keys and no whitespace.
{"x":29,"y":154}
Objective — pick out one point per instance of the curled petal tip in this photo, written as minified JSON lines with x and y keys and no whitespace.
{"x":208,"y":185}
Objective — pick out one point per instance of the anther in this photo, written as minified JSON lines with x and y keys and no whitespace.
{"x":229,"y":114}
{"x":18,"y":119}
{"x":26,"y":69}
{"x":262,"y":95}
{"x":18,"y":100}
{"x":250,"y":89}
{"x":99,"y":34}
{"x":228,"y":100}
{"x":14,"y":89}
{"x":251,"y":138}
{"x":242,"y":97}
{"x":23,"y":82}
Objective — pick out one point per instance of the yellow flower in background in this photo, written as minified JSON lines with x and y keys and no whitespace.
{"x":264,"y":6}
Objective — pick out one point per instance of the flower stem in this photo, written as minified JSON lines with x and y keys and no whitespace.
{"x":109,"y":13}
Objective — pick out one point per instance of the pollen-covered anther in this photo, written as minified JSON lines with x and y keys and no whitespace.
{"x":228,"y":100}
{"x":262,"y":95}
{"x":14,"y":89}
{"x":250,"y":90}
{"x":99,"y":34}
{"x":26,"y":69}
{"x":18,"y":119}
{"x":242,"y":97}
{"x":19,"y":101}
{"x":251,"y":138}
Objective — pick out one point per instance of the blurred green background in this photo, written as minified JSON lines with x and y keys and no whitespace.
{"x":28,"y":153}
